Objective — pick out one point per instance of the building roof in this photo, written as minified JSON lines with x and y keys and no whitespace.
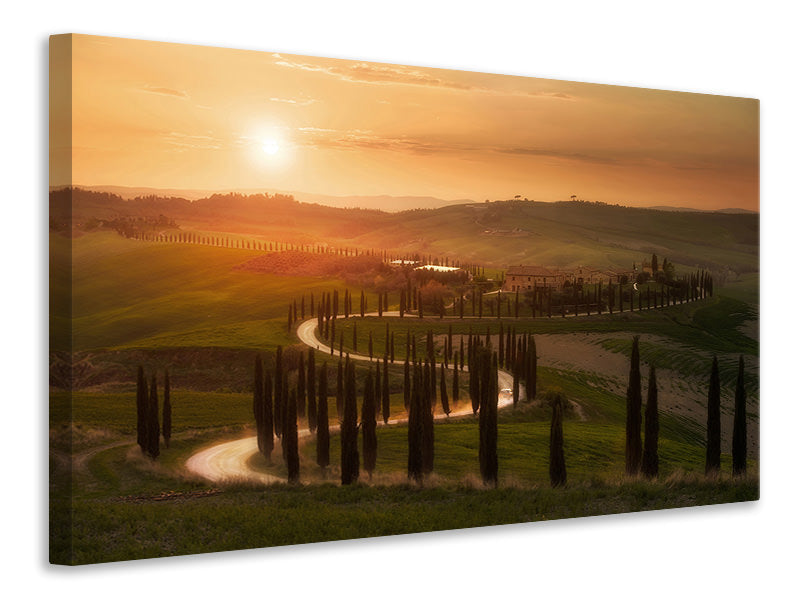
{"x":530,"y":271}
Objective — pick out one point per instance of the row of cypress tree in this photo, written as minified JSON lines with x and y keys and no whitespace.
{"x":148,"y":429}
{"x":644,"y":458}
{"x":597,"y":299}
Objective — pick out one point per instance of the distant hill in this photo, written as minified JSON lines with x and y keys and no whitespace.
{"x":558,"y":234}
{"x":382,"y":202}
{"x":727,"y":211}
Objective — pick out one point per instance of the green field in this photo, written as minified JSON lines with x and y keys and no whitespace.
{"x":188,"y":308}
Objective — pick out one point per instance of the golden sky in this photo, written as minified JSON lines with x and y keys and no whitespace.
{"x":151,"y":114}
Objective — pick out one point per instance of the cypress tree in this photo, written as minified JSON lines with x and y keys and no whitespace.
{"x":739,"y":451}
{"x":427,"y":422}
{"x":406,"y":385}
{"x":349,"y":430}
{"x":301,"y":387}
{"x":650,"y":454}
{"x":456,"y":394}
{"x":141,"y":409}
{"x":167,"y":416}
{"x":285,"y":399}
{"x":279,"y":376}
{"x":558,"y":469}
{"x":368,"y":431}
{"x":531,"y":383}
{"x":323,"y":433}
{"x":153,"y":433}
{"x":432,"y":381}
{"x":290,"y":439}
{"x":415,"y":429}
{"x":713,"y":426}
{"x":340,"y":391}
{"x":311,"y":392}
{"x":258,"y":400}
{"x":633,"y":422}
{"x":267,"y":443}
{"x":443,"y":393}
{"x":487,"y":421}
{"x":385,"y":393}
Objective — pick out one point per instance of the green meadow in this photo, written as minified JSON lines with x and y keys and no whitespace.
{"x":190,"y":308}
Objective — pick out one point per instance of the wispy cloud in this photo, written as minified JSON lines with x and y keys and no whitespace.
{"x":553,"y":153}
{"x":361,"y":140}
{"x":162,"y":91}
{"x":183,"y":141}
{"x":303,"y":102}
{"x":397,"y":75}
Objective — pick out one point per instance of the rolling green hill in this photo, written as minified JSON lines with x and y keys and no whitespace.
{"x":495,"y":234}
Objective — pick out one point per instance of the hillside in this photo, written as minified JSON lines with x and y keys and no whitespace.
{"x":498,"y":234}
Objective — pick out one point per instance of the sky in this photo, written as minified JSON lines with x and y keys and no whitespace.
{"x":153,"y":114}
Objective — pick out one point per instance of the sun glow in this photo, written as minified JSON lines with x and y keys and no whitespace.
{"x":270,"y":147}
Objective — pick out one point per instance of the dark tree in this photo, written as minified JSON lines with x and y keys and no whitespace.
{"x":340,"y":391}
{"x":406,"y":385}
{"x":654,"y":265}
{"x":167,"y":414}
{"x":415,"y":428}
{"x":739,"y":451}
{"x":323,"y":433}
{"x":488,"y":419}
{"x":427,"y":420}
{"x":713,"y":426}
{"x":633,"y":422}
{"x":141,"y":409}
{"x":456,"y":394}
{"x":301,"y":387}
{"x":368,"y":426}
{"x":650,"y":454}
{"x":558,"y":468}
{"x":267,"y":443}
{"x":385,"y":393}
{"x":290,"y":439}
{"x":349,"y":429}
{"x":153,"y":433}
{"x":311,"y":372}
{"x":279,"y":379}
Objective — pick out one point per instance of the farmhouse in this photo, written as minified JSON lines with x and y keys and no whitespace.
{"x":522,"y":278}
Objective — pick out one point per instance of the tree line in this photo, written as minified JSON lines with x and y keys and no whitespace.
{"x":282,"y":395}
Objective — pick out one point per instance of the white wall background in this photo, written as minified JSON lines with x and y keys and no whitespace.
{"x":731,"y":48}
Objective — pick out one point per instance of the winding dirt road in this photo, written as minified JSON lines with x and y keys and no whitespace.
{"x":228,"y":461}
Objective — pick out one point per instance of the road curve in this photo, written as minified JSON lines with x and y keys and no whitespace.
{"x":228,"y":461}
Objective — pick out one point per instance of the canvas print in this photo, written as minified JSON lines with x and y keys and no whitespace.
{"x":296,"y":299}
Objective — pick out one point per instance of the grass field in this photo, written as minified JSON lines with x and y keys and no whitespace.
{"x":188,"y":308}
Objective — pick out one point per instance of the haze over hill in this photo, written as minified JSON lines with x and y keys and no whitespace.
{"x":559,"y":234}
{"x":383,"y":202}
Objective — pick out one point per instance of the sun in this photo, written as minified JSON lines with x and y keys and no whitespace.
{"x":270,"y":147}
